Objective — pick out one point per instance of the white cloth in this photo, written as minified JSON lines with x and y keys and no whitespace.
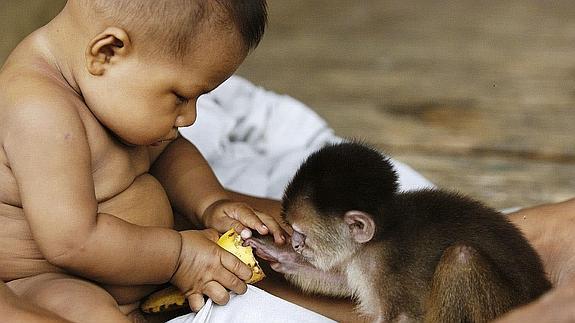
{"x":254,"y":141}
{"x":255,"y":305}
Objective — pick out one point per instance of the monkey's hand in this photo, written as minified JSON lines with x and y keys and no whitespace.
{"x":225,"y":214}
{"x":282,"y":258}
{"x":297,"y":270}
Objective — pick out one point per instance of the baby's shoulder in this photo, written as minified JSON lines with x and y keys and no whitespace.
{"x":36,"y":99}
{"x":34,"y":83}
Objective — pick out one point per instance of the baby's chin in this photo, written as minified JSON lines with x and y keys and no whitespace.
{"x":126,"y":143}
{"x":161,"y":142}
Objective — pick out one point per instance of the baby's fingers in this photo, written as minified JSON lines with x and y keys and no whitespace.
{"x":249,"y":218}
{"x":196,"y":302}
{"x":273,"y":227}
{"x":235,"y":267}
{"x":231,"y":282}
{"x":217,"y":293}
{"x":261,"y":222}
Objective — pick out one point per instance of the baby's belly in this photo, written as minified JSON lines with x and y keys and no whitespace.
{"x":143,"y":203}
{"x":19,"y":254}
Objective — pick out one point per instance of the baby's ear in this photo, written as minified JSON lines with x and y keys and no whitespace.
{"x":361,"y":225}
{"x":107,"y":46}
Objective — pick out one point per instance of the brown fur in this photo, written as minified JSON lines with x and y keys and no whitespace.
{"x":428,"y":255}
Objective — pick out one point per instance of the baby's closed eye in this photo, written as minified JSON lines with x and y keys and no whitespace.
{"x":181,"y":99}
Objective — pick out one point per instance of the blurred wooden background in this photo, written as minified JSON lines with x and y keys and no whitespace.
{"x":476,"y":94}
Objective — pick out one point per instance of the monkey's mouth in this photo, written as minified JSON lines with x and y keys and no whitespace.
{"x":305,"y":254}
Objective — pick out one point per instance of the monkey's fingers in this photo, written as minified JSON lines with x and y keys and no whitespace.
{"x":262,"y":250}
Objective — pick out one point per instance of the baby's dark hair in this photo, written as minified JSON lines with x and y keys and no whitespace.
{"x":172,"y":24}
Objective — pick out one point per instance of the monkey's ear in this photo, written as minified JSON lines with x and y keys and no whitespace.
{"x":361,"y":225}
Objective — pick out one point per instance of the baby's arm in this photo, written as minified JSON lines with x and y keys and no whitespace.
{"x":48,"y":153}
{"x":195,"y":192}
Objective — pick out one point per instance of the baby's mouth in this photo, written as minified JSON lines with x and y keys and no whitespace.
{"x":159,"y":142}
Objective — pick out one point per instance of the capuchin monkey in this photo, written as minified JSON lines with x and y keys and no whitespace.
{"x":425,"y":255}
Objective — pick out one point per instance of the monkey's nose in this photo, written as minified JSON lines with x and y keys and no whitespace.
{"x":298,"y":241}
{"x":297,"y":246}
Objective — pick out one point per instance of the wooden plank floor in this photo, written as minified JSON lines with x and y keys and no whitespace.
{"x":477,"y":95}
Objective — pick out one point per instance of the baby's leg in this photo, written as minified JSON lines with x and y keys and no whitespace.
{"x":70,"y":297}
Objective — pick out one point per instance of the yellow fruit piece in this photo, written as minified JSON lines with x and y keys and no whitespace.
{"x":232,"y":242}
{"x":164,"y":300}
{"x":171,"y":298}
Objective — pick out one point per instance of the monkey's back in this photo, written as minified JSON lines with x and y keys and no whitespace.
{"x":425,"y":223}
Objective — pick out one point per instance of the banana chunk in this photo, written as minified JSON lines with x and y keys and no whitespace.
{"x":164,"y":300}
{"x":171,"y":298}
{"x":232,"y":242}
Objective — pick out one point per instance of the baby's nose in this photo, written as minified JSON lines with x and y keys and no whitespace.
{"x":187,"y":116}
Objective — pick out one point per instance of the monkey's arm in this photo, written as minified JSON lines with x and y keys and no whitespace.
{"x":298,"y":271}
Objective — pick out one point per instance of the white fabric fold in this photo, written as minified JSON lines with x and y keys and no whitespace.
{"x":256,"y":139}
{"x":255,"y":305}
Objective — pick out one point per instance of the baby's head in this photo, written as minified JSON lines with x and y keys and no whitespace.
{"x":171,"y":27}
{"x":146,"y":62}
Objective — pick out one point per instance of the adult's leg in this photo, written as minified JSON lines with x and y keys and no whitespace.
{"x":549,"y":229}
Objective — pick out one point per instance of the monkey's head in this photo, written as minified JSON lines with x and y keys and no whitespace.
{"x":336,"y":202}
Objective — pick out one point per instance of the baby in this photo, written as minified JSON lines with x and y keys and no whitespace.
{"x":92,"y":165}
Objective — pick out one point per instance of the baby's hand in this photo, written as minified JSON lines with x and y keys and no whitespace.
{"x":225,"y":214}
{"x":204,"y":268}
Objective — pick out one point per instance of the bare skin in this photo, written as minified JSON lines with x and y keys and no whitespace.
{"x":549,"y":228}
{"x":88,"y":174}
{"x":14,"y":310}
{"x":85,"y":188}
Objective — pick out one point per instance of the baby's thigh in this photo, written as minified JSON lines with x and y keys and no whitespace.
{"x":70,"y":297}
{"x":129,"y":295}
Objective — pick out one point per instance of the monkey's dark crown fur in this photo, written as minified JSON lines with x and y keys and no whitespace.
{"x":342,"y":177}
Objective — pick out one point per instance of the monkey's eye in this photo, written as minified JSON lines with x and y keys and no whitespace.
{"x":284,"y":218}
{"x":181,"y":99}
